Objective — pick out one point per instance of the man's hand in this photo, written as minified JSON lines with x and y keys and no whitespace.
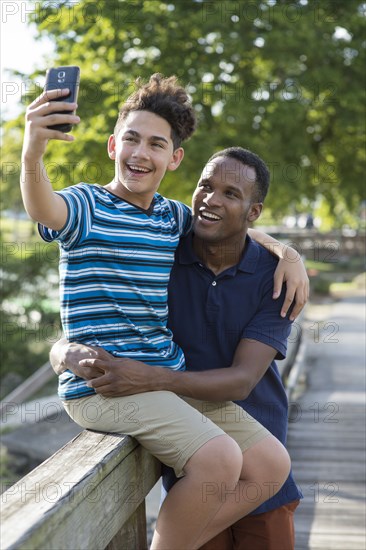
{"x":110,"y":376}
{"x":120,"y":376}
{"x":291,"y":270}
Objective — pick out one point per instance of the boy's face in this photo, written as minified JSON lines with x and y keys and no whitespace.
{"x":143,"y":151}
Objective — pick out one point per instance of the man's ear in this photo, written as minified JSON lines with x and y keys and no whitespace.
{"x":255,"y":211}
{"x":176,"y":159}
{"x":111,"y":147}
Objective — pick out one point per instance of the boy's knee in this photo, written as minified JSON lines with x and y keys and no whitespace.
{"x":219,"y":458}
{"x":280,"y":463}
{"x":280,"y":457}
{"x":284,"y":462}
{"x":268,"y":458}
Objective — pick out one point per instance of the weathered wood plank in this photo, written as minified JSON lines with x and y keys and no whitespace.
{"x":133,"y":533}
{"x":80,"y":497}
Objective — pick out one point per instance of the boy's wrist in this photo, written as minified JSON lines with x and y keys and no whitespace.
{"x":32,"y":156}
{"x":285,"y":252}
{"x":290,"y":254}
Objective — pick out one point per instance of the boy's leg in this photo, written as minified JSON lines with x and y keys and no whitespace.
{"x":186,"y":512}
{"x":205,"y":501}
{"x":266,"y":464}
{"x":180,"y":436}
{"x":161,"y":421}
{"x":266,"y":468}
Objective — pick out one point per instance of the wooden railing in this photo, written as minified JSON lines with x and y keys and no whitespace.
{"x":91,"y":493}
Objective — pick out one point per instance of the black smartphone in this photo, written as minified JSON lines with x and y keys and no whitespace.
{"x":59,"y":78}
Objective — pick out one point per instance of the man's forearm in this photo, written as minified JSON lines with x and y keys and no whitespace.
{"x":250,"y":362}
{"x":123,"y":376}
{"x":227,"y":384}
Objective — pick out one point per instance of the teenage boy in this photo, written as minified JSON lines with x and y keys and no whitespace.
{"x":223,"y":316}
{"x":117,"y":249}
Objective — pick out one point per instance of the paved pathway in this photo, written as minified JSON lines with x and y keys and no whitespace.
{"x":327,"y":430}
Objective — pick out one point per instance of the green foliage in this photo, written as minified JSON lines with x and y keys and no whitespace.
{"x":281,"y":78}
{"x":29,"y":322}
{"x":10,"y":168}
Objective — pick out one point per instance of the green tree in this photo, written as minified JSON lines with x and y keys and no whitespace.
{"x":29,"y":319}
{"x":281,"y":78}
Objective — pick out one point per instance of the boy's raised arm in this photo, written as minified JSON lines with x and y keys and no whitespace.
{"x":290,"y":270}
{"x":40,"y":201}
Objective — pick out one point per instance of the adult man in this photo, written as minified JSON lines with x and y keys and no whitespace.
{"x":223,"y":316}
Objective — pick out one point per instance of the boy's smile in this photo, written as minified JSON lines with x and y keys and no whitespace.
{"x":143,"y":152}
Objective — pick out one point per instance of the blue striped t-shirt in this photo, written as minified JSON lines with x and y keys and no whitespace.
{"x":115,"y":263}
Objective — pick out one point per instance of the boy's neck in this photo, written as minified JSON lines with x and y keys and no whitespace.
{"x":142,"y":201}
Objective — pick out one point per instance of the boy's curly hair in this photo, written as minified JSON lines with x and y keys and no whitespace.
{"x":164,"y":97}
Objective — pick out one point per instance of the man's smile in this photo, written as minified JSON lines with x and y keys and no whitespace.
{"x":209,"y":216}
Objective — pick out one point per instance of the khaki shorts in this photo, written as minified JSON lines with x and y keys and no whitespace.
{"x":170,"y":427}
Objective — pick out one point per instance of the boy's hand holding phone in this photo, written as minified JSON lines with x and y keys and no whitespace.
{"x":52,"y":114}
{"x":49,"y":116}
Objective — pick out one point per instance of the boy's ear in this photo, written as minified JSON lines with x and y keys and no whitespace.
{"x":111,"y":147}
{"x":255,"y":211}
{"x":176,"y":159}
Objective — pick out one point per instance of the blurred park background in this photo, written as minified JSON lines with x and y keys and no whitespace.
{"x":284,"y":79}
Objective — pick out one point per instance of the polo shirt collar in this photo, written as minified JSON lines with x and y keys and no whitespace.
{"x":248,"y":262}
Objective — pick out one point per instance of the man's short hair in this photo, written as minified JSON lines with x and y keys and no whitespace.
{"x":166,"y":98}
{"x":246,"y":157}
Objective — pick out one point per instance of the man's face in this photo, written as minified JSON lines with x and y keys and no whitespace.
{"x":143,"y":152}
{"x":222,"y":202}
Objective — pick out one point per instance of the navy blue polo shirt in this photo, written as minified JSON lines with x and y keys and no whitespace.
{"x":209,"y":314}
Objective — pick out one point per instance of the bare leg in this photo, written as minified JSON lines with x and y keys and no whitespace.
{"x":186,"y":512}
{"x":210,"y":498}
{"x":266,"y":467}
